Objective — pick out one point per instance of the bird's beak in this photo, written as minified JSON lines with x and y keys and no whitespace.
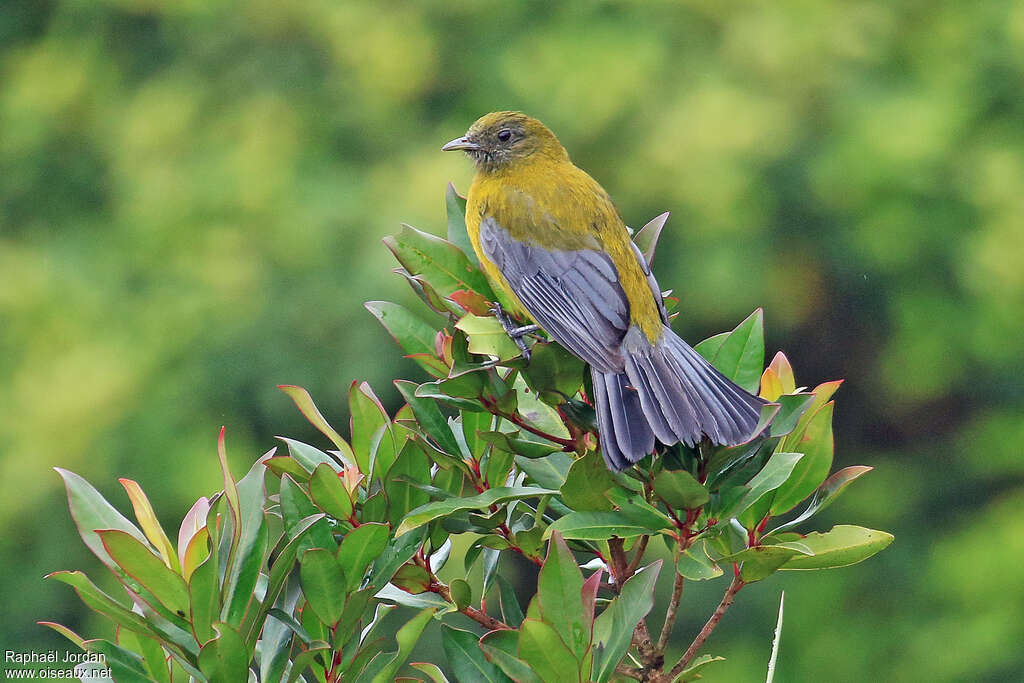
{"x":460,"y":143}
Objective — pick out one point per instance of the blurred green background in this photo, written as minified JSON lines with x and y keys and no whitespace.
{"x":193,"y":193}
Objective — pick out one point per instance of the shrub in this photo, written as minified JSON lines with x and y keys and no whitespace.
{"x":287,"y":574}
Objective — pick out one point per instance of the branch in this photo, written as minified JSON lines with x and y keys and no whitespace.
{"x":641,"y":546}
{"x":730,"y":595}
{"x":482,"y":618}
{"x":629,"y":672}
{"x":670,"y":614}
{"x":568,"y":445}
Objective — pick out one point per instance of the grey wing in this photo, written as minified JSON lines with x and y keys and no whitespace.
{"x":573,"y":294}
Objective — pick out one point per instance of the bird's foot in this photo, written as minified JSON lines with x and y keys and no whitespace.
{"x":515,"y":333}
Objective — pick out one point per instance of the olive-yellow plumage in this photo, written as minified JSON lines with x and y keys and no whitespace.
{"x":549,"y":235}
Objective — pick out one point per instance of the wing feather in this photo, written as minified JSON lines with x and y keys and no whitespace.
{"x":573,"y":294}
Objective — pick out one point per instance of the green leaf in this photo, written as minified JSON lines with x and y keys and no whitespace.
{"x":225,"y":658}
{"x":138,"y":561}
{"x":680,"y":490}
{"x":541,"y":647}
{"x":304,"y":402}
{"x":482,"y":501}
{"x":455,"y":208}
{"x":501,"y":647}
{"x":103,"y":604}
{"x":817,"y":447}
{"x":487,"y":337}
{"x":91,"y":511}
{"x":323,"y":584}
{"x":412,"y":333}
{"x":429,"y":417}
{"x":285,"y":464}
{"x":463,"y":653}
{"x":830,"y":489}
{"x":586,"y":483}
{"x":150,"y":524}
{"x":791,"y":408}
{"x":462,"y":594}
{"x":710,"y":346}
{"x":772,"y":475}
{"x":537,"y":412}
{"x":600,"y":526}
{"x":368,"y":417}
{"x":440,"y":262}
{"x":329,"y":492}
{"x":613,"y":630}
{"x":411,"y":467}
{"x":559,"y":587}
{"x":297,"y":507}
{"x":310,"y":457}
{"x":411,"y":578}
{"x":406,"y":639}
{"x":397,"y":553}
{"x":761,"y":561}
{"x":78,"y":640}
{"x":358,"y":549}
{"x":549,"y":472}
{"x":526,"y":447}
{"x":125,"y":666}
{"x":843,"y":545}
{"x":204,"y":599}
{"x":243,"y":571}
{"x":431,"y":670}
{"x":553,"y":369}
{"x":741,"y":355}
{"x":511,"y":611}
{"x":306,"y":659}
{"x":695,"y":565}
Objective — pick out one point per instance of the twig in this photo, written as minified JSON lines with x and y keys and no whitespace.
{"x":568,"y":445}
{"x":641,"y":546}
{"x":473,"y":613}
{"x":629,"y":672}
{"x":670,"y":614}
{"x":730,"y":595}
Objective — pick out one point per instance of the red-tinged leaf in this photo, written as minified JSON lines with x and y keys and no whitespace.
{"x":304,"y":402}
{"x":194,"y":520}
{"x":443,"y":264}
{"x":771,"y":385}
{"x":66,"y":632}
{"x":196,"y":552}
{"x":830,"y":489}
{"x":589,"y":595}
{"x":230,"y":494}
{"x":91,"y":511}
{"x":139,"y":562}
{"x":150,"y":524}
{"x":817,"y":446}
{"x":471,"y":302}
{"x":784,"y":371}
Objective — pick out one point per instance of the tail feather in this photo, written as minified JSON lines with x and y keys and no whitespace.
{"x":625,"y":434}
{"x":670,"y":392}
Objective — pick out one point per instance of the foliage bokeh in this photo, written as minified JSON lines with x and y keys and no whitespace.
{"x":193,"y":196}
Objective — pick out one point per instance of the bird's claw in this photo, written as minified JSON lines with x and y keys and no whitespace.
{"x":515,"y":333}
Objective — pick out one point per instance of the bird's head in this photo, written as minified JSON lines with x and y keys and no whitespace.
{"x":501,"y":139}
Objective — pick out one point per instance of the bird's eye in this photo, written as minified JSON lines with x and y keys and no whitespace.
{"x":504,"y":134}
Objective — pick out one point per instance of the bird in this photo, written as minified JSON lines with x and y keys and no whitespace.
{"x":547,"y":234}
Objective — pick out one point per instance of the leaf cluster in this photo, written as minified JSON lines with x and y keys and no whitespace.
{"x":288,"y":573}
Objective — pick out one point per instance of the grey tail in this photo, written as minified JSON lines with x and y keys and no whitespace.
{"x":670,"y":392}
